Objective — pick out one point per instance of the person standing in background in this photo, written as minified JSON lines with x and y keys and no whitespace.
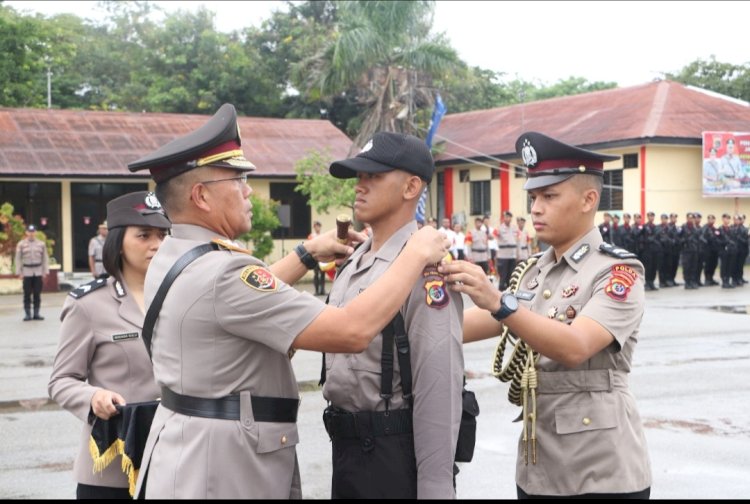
{"x":741,"y":237}
{"x":524,"y":241}
{"x":447,"y":230}
{"x":319,"y":277}
{"x":460,"y":245}
{"x":476,"y":243}
{"x":101,"y":360}
{"x":96,"y":244}
{"x":32,"y":265}
{"x":605,"y":228}
{"x":507,"y":244}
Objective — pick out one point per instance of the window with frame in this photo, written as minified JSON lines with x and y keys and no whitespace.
{"x":611,"y":191}
{"x":299,"y":211}
{"x":480,"y":197}
{"x":630,"y":161}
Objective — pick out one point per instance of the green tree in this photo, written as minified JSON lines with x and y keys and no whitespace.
{"x":315,"y":182}
{"x":265,"y":220}
{"x":725,"y":78}
{"x":383,"y":51}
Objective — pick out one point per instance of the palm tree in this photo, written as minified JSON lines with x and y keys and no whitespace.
{"x":382,"y":52}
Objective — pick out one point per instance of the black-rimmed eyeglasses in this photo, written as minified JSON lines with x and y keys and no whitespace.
{"x":241,"y":178}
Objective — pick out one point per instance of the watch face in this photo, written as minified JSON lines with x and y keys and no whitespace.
{"x":510,"y":301}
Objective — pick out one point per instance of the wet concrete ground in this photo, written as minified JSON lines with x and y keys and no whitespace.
{"x":691,"y":379}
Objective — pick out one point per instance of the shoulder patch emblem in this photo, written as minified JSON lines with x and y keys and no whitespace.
{"x":617,"y":252}
{"x":622,"y":278}
{"x":84,"y":289}
{"x":259,"y":278}
{"x":437,"y":295}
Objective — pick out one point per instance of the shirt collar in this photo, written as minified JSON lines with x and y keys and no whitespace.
{"x":576,"y":255}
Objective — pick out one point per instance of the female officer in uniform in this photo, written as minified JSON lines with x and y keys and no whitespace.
{"x":579,"y":307}
{"x":101,"y":360}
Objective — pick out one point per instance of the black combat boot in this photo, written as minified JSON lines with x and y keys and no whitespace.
{"x":28,"y":315}
{"x":36,"y":314}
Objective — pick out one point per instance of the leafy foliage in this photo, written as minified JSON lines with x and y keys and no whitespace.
{"x":265,"y":220}
{"x":316,"y":183}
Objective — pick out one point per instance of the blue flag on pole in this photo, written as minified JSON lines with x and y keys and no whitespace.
{"x":437,"y":114}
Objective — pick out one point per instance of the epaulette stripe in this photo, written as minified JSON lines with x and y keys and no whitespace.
{"x":617,"y":252}
{"x":84,"y":289}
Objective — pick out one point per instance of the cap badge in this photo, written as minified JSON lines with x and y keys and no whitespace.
{"x":367,"y":147}
{"x":581,"y":168}
{"x":152,"y":202}
{"x":528,"y":153}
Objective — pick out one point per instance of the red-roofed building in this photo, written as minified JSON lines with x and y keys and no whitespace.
{"x":656,"y":128}
{"x":60,"y":167}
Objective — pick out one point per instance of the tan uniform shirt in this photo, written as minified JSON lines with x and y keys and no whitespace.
{"x":433,"y":317}
{"x":225,"y":328}
{"x":524,"y":245}
{"x":589,"y":434}
{"x":478,"y":246}
{"x":32,"y":258}
{"x":506,"y":242}
{"x":96,"y":245}
{"x":100,"y":348}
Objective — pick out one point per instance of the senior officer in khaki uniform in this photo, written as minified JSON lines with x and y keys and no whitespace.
{"x":413,"y":457}
{"x":226,"y":424}
{"x":101,"y":360}
{"x":32,"y":265}
{"x":581,"y":305}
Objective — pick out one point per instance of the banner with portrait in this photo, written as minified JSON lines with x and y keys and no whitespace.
{"x":726,"y":164}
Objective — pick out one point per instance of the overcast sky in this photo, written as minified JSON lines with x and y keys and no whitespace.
{"x":628,"y":42}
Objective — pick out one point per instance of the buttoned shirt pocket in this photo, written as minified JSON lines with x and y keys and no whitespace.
{"x":266,"y":437}
{"x":596,"y":412}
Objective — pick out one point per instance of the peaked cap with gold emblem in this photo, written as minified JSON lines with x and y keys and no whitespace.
{"x":549,"y":161}
{"x":216,"y":143}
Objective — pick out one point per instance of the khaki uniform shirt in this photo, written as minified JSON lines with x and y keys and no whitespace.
{"x":506,"y":242}
{"x":31,"y":258}
{"x":225,"y":328}
{"x":100,"y":348}
{"x":433,"y":319}
{"x":478,"y":246}
{"x":589,"y":434}
{"x":96,"y":245}
{"x":524,"y":244}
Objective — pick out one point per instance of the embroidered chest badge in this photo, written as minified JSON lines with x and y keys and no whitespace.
{"x":622,"y":278}
{"x":437,"y":296}
{"x":259,"y":278}
{"x":569,"y":291}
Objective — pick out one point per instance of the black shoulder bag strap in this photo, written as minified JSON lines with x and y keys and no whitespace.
{"x":395,"y":330}
{"x":153,"y":310}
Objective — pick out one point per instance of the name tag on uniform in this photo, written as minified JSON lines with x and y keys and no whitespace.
{"x":125,"y":336}
{"x":525,"y":295}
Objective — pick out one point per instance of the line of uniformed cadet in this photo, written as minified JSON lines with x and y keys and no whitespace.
{"x":663,"y":246}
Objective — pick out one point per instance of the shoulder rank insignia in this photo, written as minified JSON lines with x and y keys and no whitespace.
{"x":259,"y":278}
{"x":580,"y":253}
{"x":227,"y":245}
{"x":617,"y":252}
{"x":84,"y":289}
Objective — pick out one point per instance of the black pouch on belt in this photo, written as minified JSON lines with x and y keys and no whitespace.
{"x":467,"y":433}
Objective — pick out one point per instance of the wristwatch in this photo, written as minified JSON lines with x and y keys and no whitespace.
{"x":508,"y":306}
{"x":304,"y":256}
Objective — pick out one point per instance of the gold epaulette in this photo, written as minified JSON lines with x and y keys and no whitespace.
{"x":227,"y":245}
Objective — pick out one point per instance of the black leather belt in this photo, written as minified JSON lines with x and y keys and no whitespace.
{"x":97,"y":260}
{"x":341,"y":424}
{"x":478,"y":250}
{"x":265,"y":409}
{"x":506,"y":246}
{"x":31,"y":265}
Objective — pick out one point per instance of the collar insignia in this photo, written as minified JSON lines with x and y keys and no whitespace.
{"x":580,"y":253}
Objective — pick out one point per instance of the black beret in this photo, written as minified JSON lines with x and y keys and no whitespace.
{"x":550,"y":161}
{"x":216,"y":143}
{"x":140,"y":208}
{"x":388,"y":151}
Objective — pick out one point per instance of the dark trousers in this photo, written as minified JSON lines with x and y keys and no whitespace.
{"x":484,"y":265}
{"x":650,"y":260}
{"x":727,"y":269}
{"x":739,"y":265}
{"x":504,"y":270}
{"x":690,"y":266}
{"x":665,"y":269}
{"x":32,"y":285}
{"x":709,"y":267}
{"x":101,"y":492}
{"x":319,"y":280}
{"x":461,"y":255}
{"x":380,"y":467}
{"x":674,"y":264}
{"x":642,"y":495}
